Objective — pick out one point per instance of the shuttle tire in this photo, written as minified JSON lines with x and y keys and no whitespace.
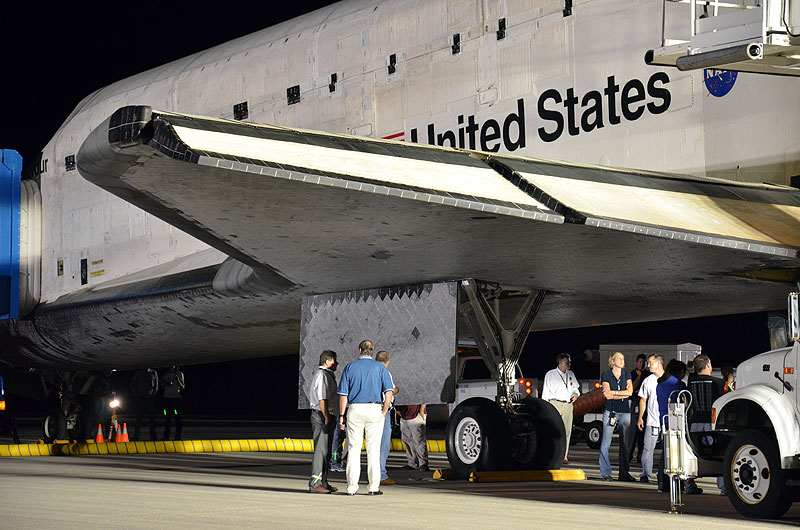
{"x":551,"y":438}
{"x":478,"y":437}
{"x":753,"y":476}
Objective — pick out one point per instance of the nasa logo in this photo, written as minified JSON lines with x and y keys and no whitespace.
{"x":719,"y":82}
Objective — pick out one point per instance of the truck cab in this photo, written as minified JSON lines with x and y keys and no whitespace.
{"x":755,"y":434}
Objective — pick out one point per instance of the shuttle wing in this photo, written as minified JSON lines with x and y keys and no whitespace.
{"x":315,"y":213}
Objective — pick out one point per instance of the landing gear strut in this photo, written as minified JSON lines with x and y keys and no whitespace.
{"x":515,"y":431}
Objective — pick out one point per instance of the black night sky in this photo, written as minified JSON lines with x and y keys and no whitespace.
{"x":54,"y":54}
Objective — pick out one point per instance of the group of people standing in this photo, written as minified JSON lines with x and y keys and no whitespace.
{"x":359,"y":405}
{"x":153,"y":392}
{"x":658,"y":384}
{"x":644,"y":392}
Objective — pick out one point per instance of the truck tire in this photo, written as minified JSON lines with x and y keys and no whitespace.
{"x":753,"y":476}
{"x":478,"y":437}
{"x":594,"y":434}
{"x":551,"y":439}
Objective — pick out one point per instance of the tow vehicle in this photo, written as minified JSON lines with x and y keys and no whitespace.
{"x":755,"y":437}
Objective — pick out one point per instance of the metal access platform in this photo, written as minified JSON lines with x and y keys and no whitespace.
{"x":760,"y":36}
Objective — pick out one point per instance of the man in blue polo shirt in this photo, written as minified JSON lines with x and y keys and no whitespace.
{"x":365,"y":385}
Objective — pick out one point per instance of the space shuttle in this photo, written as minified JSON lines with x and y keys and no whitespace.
{"x":182,"y":215}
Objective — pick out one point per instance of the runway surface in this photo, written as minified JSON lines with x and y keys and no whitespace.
{"x":269,"y":490}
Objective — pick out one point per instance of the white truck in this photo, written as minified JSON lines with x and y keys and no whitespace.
{"x":755,"y":436}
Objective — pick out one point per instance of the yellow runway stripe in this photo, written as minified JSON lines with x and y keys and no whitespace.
{"x":287,"y":445}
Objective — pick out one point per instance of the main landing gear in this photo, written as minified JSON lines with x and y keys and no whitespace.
{"x":513,"y":432}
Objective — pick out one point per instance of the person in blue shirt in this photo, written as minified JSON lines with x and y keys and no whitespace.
{"x":617,"y":389}
{"x":669,"y":382}
{"x":365,"y":385}
{"x":386,"y":438}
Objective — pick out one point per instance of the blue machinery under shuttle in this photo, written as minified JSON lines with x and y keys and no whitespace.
{"x":10,"y":171}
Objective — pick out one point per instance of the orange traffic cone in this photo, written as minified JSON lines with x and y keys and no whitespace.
{"x":124,"y":437}
{"x":99,"y":438}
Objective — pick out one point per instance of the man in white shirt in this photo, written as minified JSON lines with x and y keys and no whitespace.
{"x":561,"y":389}
{"x":324,"y":401}
{"x":649,"y":402}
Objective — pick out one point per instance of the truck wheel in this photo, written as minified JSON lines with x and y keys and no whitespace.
{"x":753,"y":476}
{"x":594,"y":434}
{"x":478,"y":437}
{"x":551,"y":439}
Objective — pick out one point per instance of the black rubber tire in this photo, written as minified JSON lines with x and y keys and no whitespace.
{"x":486,"y":435}
{"x":551,"y":439}
{"x":594,"y":434}
{"x":742,"y":478}
{"x":50,"y":427}
{"x":577,"y":435}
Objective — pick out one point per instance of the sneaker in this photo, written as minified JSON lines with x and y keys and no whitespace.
{"x":379,"y":492}
{"x":607,"y":478}
{"x":339,"y":468}
{"x":644,"y":479}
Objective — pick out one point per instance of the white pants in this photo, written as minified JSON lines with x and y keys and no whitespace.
{"x":364,"y":417}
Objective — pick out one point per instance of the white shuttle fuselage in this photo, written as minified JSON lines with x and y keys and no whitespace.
{"x":516,"y":77}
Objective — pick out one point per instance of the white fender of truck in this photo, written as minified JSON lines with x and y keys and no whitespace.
{"x":781,"y":413}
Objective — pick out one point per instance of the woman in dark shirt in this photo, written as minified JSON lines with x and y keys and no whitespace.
{"x":617,"y":389}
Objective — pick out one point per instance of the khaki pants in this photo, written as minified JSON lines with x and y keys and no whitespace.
{"x":413,"y":433}
{"x":565,"y":410}
{"x":363,"y":417}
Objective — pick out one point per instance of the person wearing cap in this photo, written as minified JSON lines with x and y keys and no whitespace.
{"x":365,"y":393}
{"x":561,"y":390}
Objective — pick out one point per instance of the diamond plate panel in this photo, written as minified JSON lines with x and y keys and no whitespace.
{"x":415,"y":324}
